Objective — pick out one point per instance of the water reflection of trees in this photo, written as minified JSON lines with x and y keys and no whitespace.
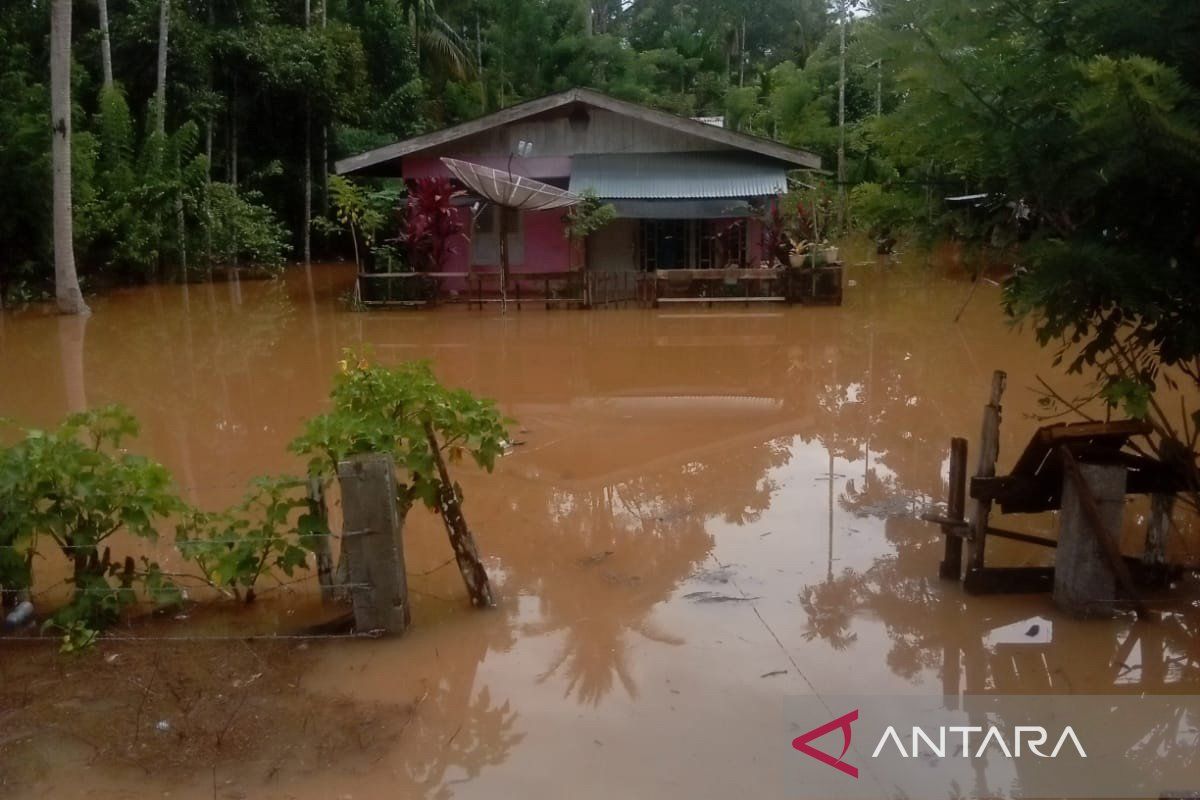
{"x":483,"y":729}
{"x":631,"y":542}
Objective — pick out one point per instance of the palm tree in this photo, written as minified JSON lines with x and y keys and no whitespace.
{"x":433,"y":35}
{"x":66,"y":281}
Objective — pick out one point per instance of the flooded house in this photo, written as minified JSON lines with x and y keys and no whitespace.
{"x":688,"y":194}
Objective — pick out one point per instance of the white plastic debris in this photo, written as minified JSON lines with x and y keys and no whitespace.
{"x":1035,"y":630}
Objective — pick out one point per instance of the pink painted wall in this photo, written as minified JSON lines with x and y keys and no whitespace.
{"x":546,"y":248}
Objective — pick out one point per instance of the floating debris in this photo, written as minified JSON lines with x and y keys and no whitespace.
{"x":713,"y":597}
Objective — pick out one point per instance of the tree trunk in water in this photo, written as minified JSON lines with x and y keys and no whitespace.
{"x":841,"y":153}
{"x":160,"y":93}
{"x":324,"y":137}
{"x":465,"y":552}
{"x":307,"y":232}
{"x":208,"y":154}
{"x":233,"y":162}
{"x":105,"y":46}
{"x":66,"y":281}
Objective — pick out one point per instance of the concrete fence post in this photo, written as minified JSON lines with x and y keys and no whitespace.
{"x":373,"y":545}
{"x":1085,"y":583}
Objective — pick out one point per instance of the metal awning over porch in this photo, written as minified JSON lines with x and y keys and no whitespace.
{"x":677,"y":176}
{"x":714,"y":208}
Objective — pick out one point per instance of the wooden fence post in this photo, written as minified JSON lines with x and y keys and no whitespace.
{"x":322,"y":546}
{"x":373,"y":544}
{"x":989,"y":452}
{"x":1154,"y":557}
{"x":465,"y":552}
{"x":956,"y":506}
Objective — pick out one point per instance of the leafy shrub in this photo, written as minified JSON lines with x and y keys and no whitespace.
{"x":77,"y":486}
{"x":881,"y":211}
{"x":379,"y":409}
{"x":243,"y":228}
{"x":272,"y":528}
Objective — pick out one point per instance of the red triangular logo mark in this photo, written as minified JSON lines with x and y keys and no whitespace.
{"x":843,"y":722}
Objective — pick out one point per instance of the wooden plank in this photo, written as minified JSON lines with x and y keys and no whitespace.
{"x":1154,"y":556}
{"x":989,"y":451}
{"x":1009,"y":580}
{"x":1095,"y":523}
{"x":1105,"y":435}
{"x":721,"y":300}
{"x":956,"y":507}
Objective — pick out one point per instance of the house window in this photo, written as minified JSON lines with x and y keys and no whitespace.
{"x":690,"y":243}
{"x":485,"y":241}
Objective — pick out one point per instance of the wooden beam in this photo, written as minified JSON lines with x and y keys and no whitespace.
{"x":956,"y":506}
{"x":989,"y":451}
{"x":1009,"y":580}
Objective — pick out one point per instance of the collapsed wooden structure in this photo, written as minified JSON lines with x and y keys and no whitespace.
{"x":1081,"y":469}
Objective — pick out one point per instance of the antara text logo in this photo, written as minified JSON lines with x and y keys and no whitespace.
{"x":965,"y":741}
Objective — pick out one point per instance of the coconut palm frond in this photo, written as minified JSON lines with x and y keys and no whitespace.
{"x":446,"y":47}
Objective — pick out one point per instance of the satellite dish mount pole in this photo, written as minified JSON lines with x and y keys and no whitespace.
{"x":502,"y":231}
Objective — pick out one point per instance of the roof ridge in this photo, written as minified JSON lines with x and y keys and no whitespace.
{"x":592,"y":97}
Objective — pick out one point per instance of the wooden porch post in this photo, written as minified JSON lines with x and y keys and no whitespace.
{"x":502,"y":230}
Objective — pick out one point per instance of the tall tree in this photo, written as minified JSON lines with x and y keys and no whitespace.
{"x":306,"y":233}
{"x":66,"y":281}
{"x":160,"y":92}
{"x":105,"y":45}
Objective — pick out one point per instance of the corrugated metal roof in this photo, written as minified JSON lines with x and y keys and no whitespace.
{"x":690,"y":208}
{"x":645,"y":176}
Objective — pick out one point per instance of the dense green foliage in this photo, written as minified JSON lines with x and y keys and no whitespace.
{"x":378,"y":409}
{"x":1081,"y":121}
{"x":253,"y":89}
{"x":73,"y":488}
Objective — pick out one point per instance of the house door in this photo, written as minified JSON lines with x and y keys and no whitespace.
{"x":668,"y":243}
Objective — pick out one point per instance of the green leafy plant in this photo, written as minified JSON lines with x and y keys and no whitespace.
{"x":271,"y":529}
{"x":588,"y":216}
{"x":77,"y":486}
{"x":360,"y":212}
{"x":378,"y":409}
{"x":242,"y":227}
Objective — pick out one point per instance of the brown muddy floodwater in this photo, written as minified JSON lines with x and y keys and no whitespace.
{"x":709,"y":511}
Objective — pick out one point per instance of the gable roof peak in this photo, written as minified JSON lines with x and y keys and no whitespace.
{"x":366,"y":162}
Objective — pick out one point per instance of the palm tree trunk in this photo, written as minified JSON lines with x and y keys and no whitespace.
{"x":66,"y":281}
{"x":105,"y":48}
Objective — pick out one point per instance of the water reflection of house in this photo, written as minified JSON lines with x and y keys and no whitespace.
{"x":674,"y":181}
